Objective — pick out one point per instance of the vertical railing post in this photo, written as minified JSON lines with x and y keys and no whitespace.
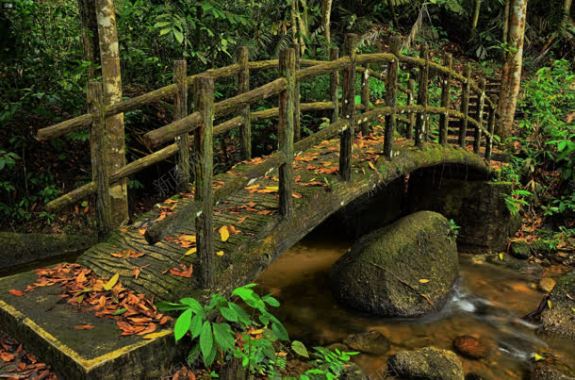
{"x":480,"y":107}
{"x":100,"y":164}
{"x":183,"y":166}
{"x":348,"y":108}
{"x":465,"y":106}
{"x":391,"y":98}
{"x":204,"y":196}
{"x":334,"y":85}
{"x":421,"y":124}
{"x":491,"y":120}
{"x":365,"y":95}
{"x":410,"y":100}
{"x":287,"y":69}
{"x":445,"y":101}
{"x":243,"y":56}
{"x":297,"y":95}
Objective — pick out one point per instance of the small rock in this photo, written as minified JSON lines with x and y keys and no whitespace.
{"x":428,"y":363}
{"x":546,"y":371}
{"x":520,"y":250}
{"x":372,"y":342}
{"x":546,"y":284}
{"x":471,"y":347}
{"x":352,"y":372}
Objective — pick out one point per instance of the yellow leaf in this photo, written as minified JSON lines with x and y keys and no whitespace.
{"x":112,"y":281}
{"x":191,"y":251}
{"x":224,"y":233}
{"x":537,"y":357}
{"x":372,"y":166}
{"x":269,"y":189}
{"x":188,"y":238}
{"x":423,"y":281}
{"x":501,"y":256}
{"x":549,"y":304}
{"x":256,"y":332}
{"x":220,"y":253}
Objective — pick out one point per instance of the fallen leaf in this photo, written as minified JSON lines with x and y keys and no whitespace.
{"x":296,"y":195}
{"x":182,"y":271}
{"x":424,"y":281}
{"x":6,"y":356}
{"x":111,"y":282}
{"x":220,"y":253}
{"x":224,"y":233}
{"x":16,"y":292}
{"x":136,"y":272}
{"x":191,"y":251}
{"x":84,"y":327}
{"x":154,"y":335}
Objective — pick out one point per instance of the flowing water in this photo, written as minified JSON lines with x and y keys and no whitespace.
{"x":488,"y":302}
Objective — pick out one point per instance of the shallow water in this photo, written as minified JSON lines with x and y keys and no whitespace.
{"x":487,"y":302}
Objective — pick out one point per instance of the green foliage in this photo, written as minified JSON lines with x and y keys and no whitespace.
{"x":545,"y":144}
{"x":327,"y":364}
{"x":454,"y":228}
{"x":213,"y":327}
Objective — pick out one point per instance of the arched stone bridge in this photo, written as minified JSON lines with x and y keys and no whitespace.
{"x":230,"y":226}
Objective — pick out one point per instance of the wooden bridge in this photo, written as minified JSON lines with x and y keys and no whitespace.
{"x":227,"y":227}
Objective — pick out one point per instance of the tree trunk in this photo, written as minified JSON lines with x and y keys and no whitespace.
{"x":567,"y":8}
{"x":505,"y":36}
{"x":326,"y":9}
{"x":476,"y":13}
{"x":112,"y":78}
{"x":511,"y":79}
{"x":89,"y":35}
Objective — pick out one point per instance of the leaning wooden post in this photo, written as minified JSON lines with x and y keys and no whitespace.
{"x":183,"y":166}
{"x":410,"y":99}
{"x":287,"y":69}
{"x":297,"y":95}
{"x":491,"y":121}
{"x":465,"y":106}
{"x":391,"y":98}
{"x":348,"y":109}
{"x":365,"y":95}
{"x":243,"y":57}
{"x":204,"y":196}
{"x":100,"y":160}
{"x":445,"y":101}
{"x":421,"y":124}
{"x":334,"y":85}
{"x":480,"y":107}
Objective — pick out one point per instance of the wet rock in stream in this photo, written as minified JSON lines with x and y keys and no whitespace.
{"x":406,"y":269}
{"x":372,"y":342}
{"x":428,"y":363}
{"x":548,"y":371}
{"x":472,"y":347}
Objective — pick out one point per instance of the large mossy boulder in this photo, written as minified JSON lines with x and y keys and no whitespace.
{"x":428,"y":363}
{"x":406,"y":269}
{"x":560,"y":318}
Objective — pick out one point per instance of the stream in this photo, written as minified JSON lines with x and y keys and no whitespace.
{"x":488,"y":302}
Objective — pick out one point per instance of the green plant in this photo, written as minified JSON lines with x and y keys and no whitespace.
{"x":454,"y":228}
{"x":517,"y":200}
{"x":213,"y":326}
{"x":327,"y":364}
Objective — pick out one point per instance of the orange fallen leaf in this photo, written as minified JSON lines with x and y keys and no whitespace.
{"x":6,"y":356}
{"x":16,"y":292}
{"x":84,"y":327}
{"x":182,"y":271}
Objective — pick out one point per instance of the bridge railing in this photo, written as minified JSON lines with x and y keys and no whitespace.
{"x":197,"y":130}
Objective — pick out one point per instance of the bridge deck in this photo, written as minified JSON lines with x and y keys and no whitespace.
{"x":257,"y":232}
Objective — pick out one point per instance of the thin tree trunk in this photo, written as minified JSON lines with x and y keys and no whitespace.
{"x":511,"y":82}
{"x":112,"y":78}
{"x":476,"y":13}
{"x":326,"y":9}
{"x":391,"y":5}
{"x":505,"y":36}
{"x":89,"y":35}
{"x":567,"y":8}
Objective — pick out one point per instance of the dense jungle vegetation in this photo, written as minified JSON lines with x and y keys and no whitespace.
{"x":45,"y":70}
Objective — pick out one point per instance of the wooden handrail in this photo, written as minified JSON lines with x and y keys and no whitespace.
{"x":349,"y":64}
